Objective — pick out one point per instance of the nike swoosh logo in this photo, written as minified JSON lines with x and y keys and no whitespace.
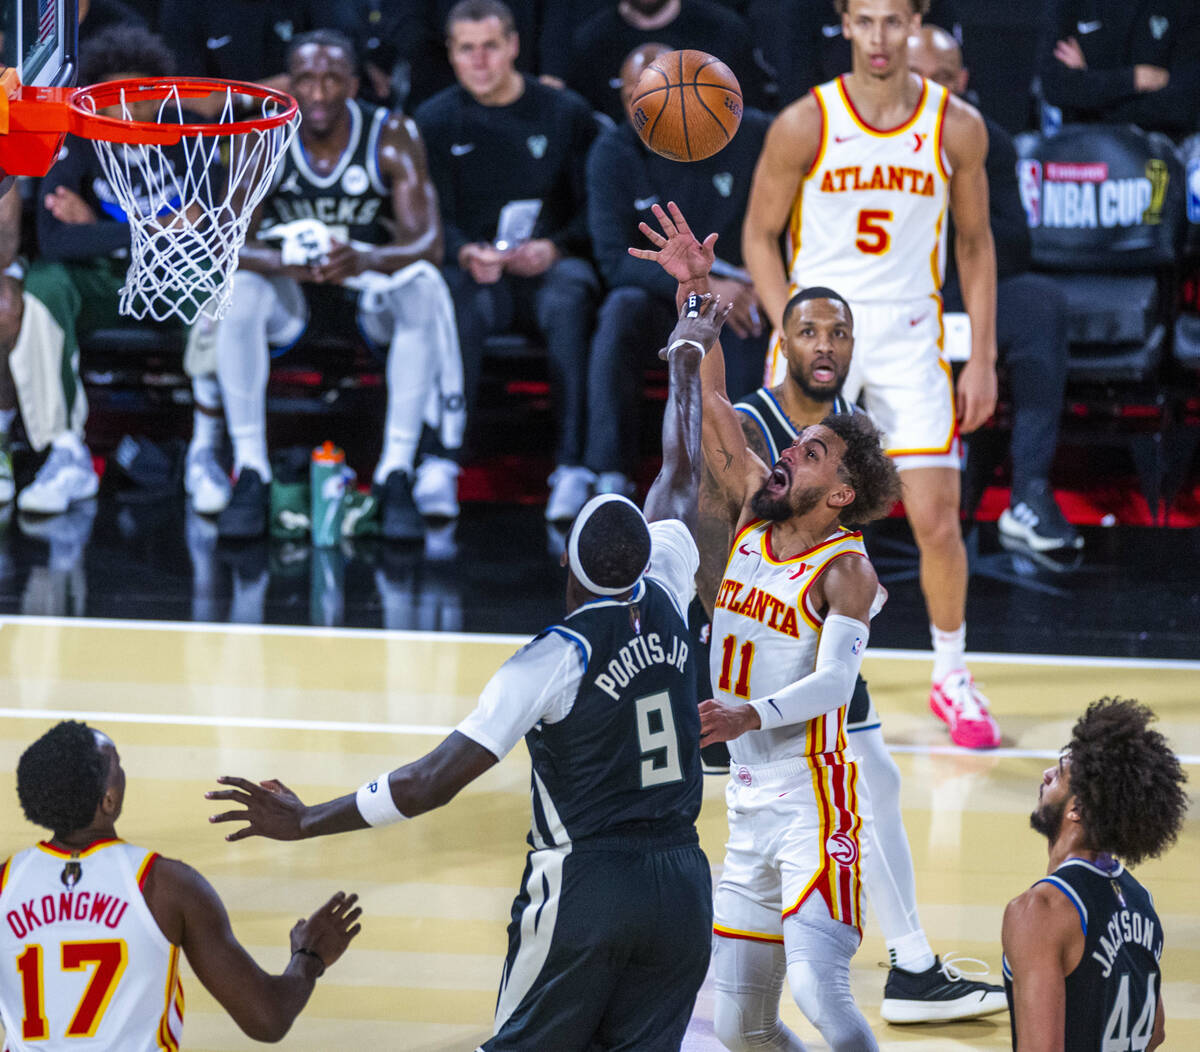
{"x":642,"y":203}
{"x":845,"y":138}
{"x":217,"y":42}
{"x":460,"y":148}
{"x":917,"y":321}
{"x":1088,"y":27}
{"x":831,"y":31}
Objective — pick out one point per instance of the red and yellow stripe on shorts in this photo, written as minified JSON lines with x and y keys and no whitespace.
{"x":838,"y":877}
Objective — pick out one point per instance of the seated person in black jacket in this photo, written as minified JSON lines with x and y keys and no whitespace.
{"x":598,"y":46}
{"x":1125,"y":62}
{"x":496,"y":137}
{"x":624,"y":179}
{"x":1031,"y":321}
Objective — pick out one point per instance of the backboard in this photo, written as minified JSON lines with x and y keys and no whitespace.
{"x":38,"y":39}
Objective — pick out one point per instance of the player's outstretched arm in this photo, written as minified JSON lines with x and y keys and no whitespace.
{"x":1038,"y":933}
{"x":192,"y":916}
{"x":675,"y":491}
{"x":847,"y":588}
{"x":270,"y":809}
{"x":736,"y":471}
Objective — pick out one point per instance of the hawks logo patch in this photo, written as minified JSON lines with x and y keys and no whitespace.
{"x":842,"y":849}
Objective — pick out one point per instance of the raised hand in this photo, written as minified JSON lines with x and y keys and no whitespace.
{"x":329,"y":930}
{"x":700,"y":321}
{"x":271,"y":809}
{"x":676,"y":249}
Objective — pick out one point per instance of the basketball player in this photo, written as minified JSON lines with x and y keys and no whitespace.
{"x":1082,"y":946}
{"x":860,"y":172}
{"x":359,"y":240}
{"x":818,"y":341}
{"x":610,"y":933}
{"x":89,"y":953}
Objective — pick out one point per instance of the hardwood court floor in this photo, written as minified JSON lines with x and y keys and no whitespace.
{"x":324,"y":709}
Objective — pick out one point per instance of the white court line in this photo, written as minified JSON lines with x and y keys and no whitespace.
{"x":981,"y":657}
{"x":431,"y":730}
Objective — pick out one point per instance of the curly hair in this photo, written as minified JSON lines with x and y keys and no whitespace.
{"x":125,"y":49}
{"x":865,"y":467}
{"x":614,"y":545}
{"x":920,"y":7}
{"x":1127,"y":783}
{"x":61,"y":778}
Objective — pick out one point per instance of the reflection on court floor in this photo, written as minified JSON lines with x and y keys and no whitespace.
{"x":324,"y":709}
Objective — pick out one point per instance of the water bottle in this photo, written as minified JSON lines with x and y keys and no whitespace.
{"x":327,"y":478}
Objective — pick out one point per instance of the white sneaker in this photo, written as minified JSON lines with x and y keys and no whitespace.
{"x":570,"y":488}
{"x":205,"y":482}
{"x":65,"y":477}
{"x":615,"y":482}
{"x":436,"y":489}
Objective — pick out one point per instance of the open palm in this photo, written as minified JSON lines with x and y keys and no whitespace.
{"x":676,"y":249}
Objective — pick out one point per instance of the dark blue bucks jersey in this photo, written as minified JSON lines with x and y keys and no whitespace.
{"x":764,"y":409}
{"x":352,"y":199}
{"x":1112,"y":994}
{"x":627,"y":755}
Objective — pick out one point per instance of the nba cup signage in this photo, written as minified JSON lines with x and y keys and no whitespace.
{"x":1029,"y":181}
{"x":1084,"y":196}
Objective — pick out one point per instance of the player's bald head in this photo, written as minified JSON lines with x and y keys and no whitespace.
{"x":631,"y":69}
{"x":935,"y":55}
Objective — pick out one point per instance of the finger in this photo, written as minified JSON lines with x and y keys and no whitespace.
{"x":274,"y":785}
{"x":353,"y":931}
{"x":242,"y":834}
{"x":655,"y":237}
{"x":664,"y":220}
{"x":236,"y":795}
{"x":241,"y":783}
{"x":230,"y":816}
{"x":643,"y":253}
{"x":710,"y":243}
{"x":352,"y":916}
{"x":677,"y":216}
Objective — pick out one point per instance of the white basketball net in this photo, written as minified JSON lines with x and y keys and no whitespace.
{"x":189,"y":205}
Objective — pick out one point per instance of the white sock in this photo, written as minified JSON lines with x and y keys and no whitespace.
{"x":243,"y":365}
{"x":949,"y":651}
{"x":70,"y":440}
{"x":410,"y":367}
{"x":207,"y":418}
{"x":7,"y":416}
{"x":911,"y":952}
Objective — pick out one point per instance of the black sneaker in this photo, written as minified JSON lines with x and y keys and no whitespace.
{"x":245,"y":516}
{"x":714,"y":759}
{"x":940,"y":993}
{"x":401,"y":520}
{"x":1036,"y":520}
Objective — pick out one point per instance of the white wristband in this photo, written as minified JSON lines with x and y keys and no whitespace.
{"x":689,"y":343}
{"x":375,"y":803}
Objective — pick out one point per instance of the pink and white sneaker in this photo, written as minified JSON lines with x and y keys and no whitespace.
{"x":959,"y":704}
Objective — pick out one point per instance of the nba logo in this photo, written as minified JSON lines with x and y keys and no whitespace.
{"x":1029,"y":180}
{"x":857,"y":647}
{"x":1193,"y":190}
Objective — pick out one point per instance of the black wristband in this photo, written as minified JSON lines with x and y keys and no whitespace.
{"x":314,"y":955}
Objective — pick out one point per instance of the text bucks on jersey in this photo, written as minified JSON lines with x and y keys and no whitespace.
{"x":353,"y":201}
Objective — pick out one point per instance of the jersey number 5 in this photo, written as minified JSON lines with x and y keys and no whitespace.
{"x":873,"y":238}
{"x":109,"y":957}
{"x":656,"y":734}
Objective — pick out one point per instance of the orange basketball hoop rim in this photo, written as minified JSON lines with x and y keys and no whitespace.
{"x":33,"y":120}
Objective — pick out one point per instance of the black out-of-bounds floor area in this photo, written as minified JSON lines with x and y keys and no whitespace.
{"x":1131,"y":592}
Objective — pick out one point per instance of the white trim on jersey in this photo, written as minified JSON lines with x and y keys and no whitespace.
{"x":376,"y":177}
{"x":559,"y":836}
{"x":581,"y":641}
{"x":1083,"y":863}
{"x":544,"y":888}
{"x":324,"y":182}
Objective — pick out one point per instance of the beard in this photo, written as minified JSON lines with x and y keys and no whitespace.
{"x":817,"y":392}
{"x":777,"y":509}
{"x":1047,"y":820}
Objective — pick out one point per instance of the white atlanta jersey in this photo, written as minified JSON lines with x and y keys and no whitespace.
{"x":764,"y":637}
{"x":83,"y":964}
{"x":869,"y":219}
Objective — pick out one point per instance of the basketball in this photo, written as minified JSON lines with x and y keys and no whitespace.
{"x":687,"y":105}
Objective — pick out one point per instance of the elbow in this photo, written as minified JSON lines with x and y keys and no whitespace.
{"x":269,"y":1026}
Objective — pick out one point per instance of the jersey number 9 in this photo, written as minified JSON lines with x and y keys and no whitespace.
{"x":656,"y":734}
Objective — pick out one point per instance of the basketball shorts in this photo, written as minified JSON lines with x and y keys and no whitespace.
{"x":794,"y":832}
{"x":609,"y":942}
{"x":319,"y":311}
{"x":903,"y":381}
